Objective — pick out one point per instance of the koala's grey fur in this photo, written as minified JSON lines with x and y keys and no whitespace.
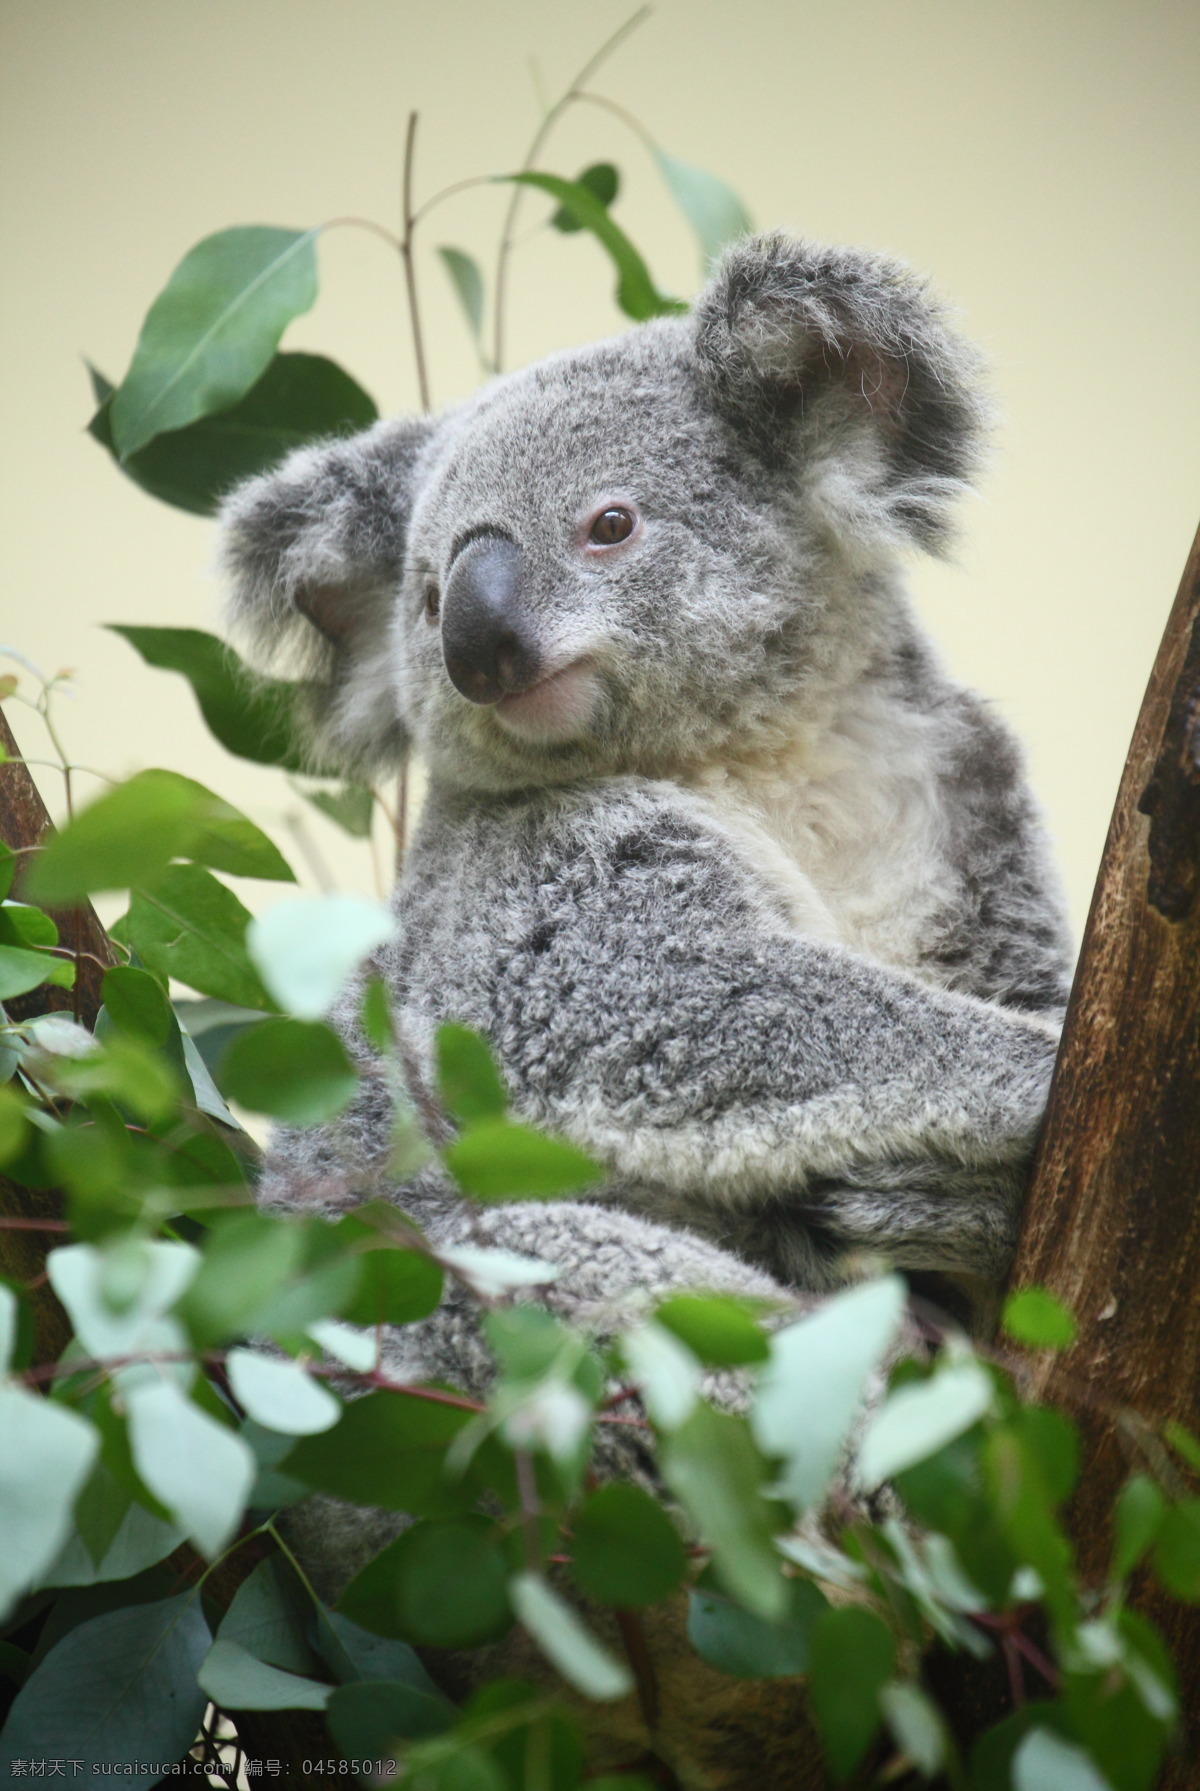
{"x":761,"y":916}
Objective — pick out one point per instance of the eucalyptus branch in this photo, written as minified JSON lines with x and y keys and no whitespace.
{"x":551,"y":118}
{"x":410,"y":272}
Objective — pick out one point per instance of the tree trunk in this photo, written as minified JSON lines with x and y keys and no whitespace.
{"x":1112,"y":1223}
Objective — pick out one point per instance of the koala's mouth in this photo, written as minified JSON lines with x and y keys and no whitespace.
{"x":554,"y":709}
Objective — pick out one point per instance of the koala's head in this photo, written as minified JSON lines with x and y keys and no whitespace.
{"x":631,"y":556}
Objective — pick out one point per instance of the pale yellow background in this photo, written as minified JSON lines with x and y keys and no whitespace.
{"x":1039,"y":157}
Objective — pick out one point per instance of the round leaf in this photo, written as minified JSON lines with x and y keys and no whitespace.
{"x":449,"y":1583}
{"x":280,"y":1394}
{"x":307,"y":949}
{"x":295,"y":1070}
{"x":500,"y":1160}
{"x":852,"y":1657}
{"x":1034,"y":1317}
{"x":747,"y":1647}
{"x":625,"y":1549}
{"x":716,"y":1329}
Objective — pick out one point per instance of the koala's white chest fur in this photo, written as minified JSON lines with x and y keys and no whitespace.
{"x":844,"y":818}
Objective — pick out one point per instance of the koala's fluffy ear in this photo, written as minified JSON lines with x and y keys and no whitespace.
{"x":841,"y":361}
{"x":314,"y":553}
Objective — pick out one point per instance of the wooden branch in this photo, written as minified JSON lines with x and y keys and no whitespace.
{"x":1112,"y":1224}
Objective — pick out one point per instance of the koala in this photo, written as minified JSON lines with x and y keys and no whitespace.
{"x":749,"y":897}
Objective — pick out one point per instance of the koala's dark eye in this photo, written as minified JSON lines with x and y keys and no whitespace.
{"x":611,"y":526}
{"x":433,"y":601}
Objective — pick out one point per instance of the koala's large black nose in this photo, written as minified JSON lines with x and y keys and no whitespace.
{"x":487,"y":637}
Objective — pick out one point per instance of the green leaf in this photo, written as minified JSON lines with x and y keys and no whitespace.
{"x":10,"y":1315}
{"x":442,"y":1584}
{"x":1022,"y":1505}
{"x":234,"y":1679}
{"x":350,"y":807}
{"x":1177,"y":1551}
{"x":666,"y":1372}
{"x":395,"y":1286}
{"x":1034,"y":1317}
{"x":126,"y":1072}
{"x":14,"y":1123}
{"x":22,"y":925}
{"x":1185,"y":1445}
{"x":130,"y":835}
{"x":468,"y":1080}
{"x":280,"y":1394}
{"x":192,"y":928}
{"x":711,"y":1465}
{"x":141,"y":1540}
{"x":250,"y":716}
{"x":300,"y":398}
{"x":118,"y":1690}
{"x":116,"y":1296}
{"x":919,"y":1419}
{"x":8,"y":865}
{"x":211,"y":332}
{"x":748,"y":1647}
{"x":308,"y":948}
{"x":269,"y":1615}
{"x":715,"y":1328}
{"x":1045,"y":1762}
{"x":636,"y":292}
{"x":852,"y":1656}
{"x":625,"y":1550}
{"x":387,"y":1449}
{"x":366,"y":1719}
{"x":713,"y":209}
{"x":200,"y":1471}
{"x":295,"y":1070}
{"x":48,"y":1453}
{"x":812,"y":1388}
{"x":354,"y":1654}
{"x":916,"y":1725}
{"x":247,"y":1259}
{"x":602,"y":180}
{"x":467,"y":282}
{"x":1053,"y":1442}
{"x":566,"y":1642}
{"x":21,"y":971}
{"x":137,"y":1003}
{"x":501,"y":1160}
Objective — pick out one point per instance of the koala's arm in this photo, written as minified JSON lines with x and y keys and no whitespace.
{"x":645,"y":1000}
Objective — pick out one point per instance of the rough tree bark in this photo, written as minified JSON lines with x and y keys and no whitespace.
{"x":1112,"y":1224}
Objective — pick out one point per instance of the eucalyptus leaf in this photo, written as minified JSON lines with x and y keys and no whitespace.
{"x":387,"y":1449}
{"x":251,"y":716}
{"x":305,"y":950}
{"x":711,"y":1465}
{"x":350,"y":807}
{"x":153,"y":1274}
{"x":503,"y":1160}
{"x":48,"y":1453}
{"x":212,"y":331}
{"x":141,"y":1540}
{"x":1177,"y":1551}
{"x":625,"y":1550}
{"x":737,"y":1642}
{"x":299,"y":398}
{"x":666,"y":1372}
{"x":1034,"y":1317}
{"x":117,"y":1691}
{"x":442,"y":1584}
{"x":636,"y":292}
{"x":295,"y":1070}
{"x":192,"y":928}
{"x":715,"y":1328}
{"x":268,"y":1617}
{"x":468,"y":1080}
{"x":566,"y":1641}
{"x":852,"y":1657}
{"x":21,"y":971}
{"x":812,"y":1388}
{"x":236,"y":1680}
{"x":1046,"y":1762}
{"x":200,"y":1471}
{"x":280,"y":1394}
{"x":600,"y":179}
{"x":917,"y":1420}
{"x":21,"y":924}
{"x":467,"y":282}
{"x":1137,"y":1519}
{"x":712,"y":208}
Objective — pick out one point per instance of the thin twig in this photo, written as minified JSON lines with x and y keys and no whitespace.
{"x":540,"y":135}
{"x":410,"y":272}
